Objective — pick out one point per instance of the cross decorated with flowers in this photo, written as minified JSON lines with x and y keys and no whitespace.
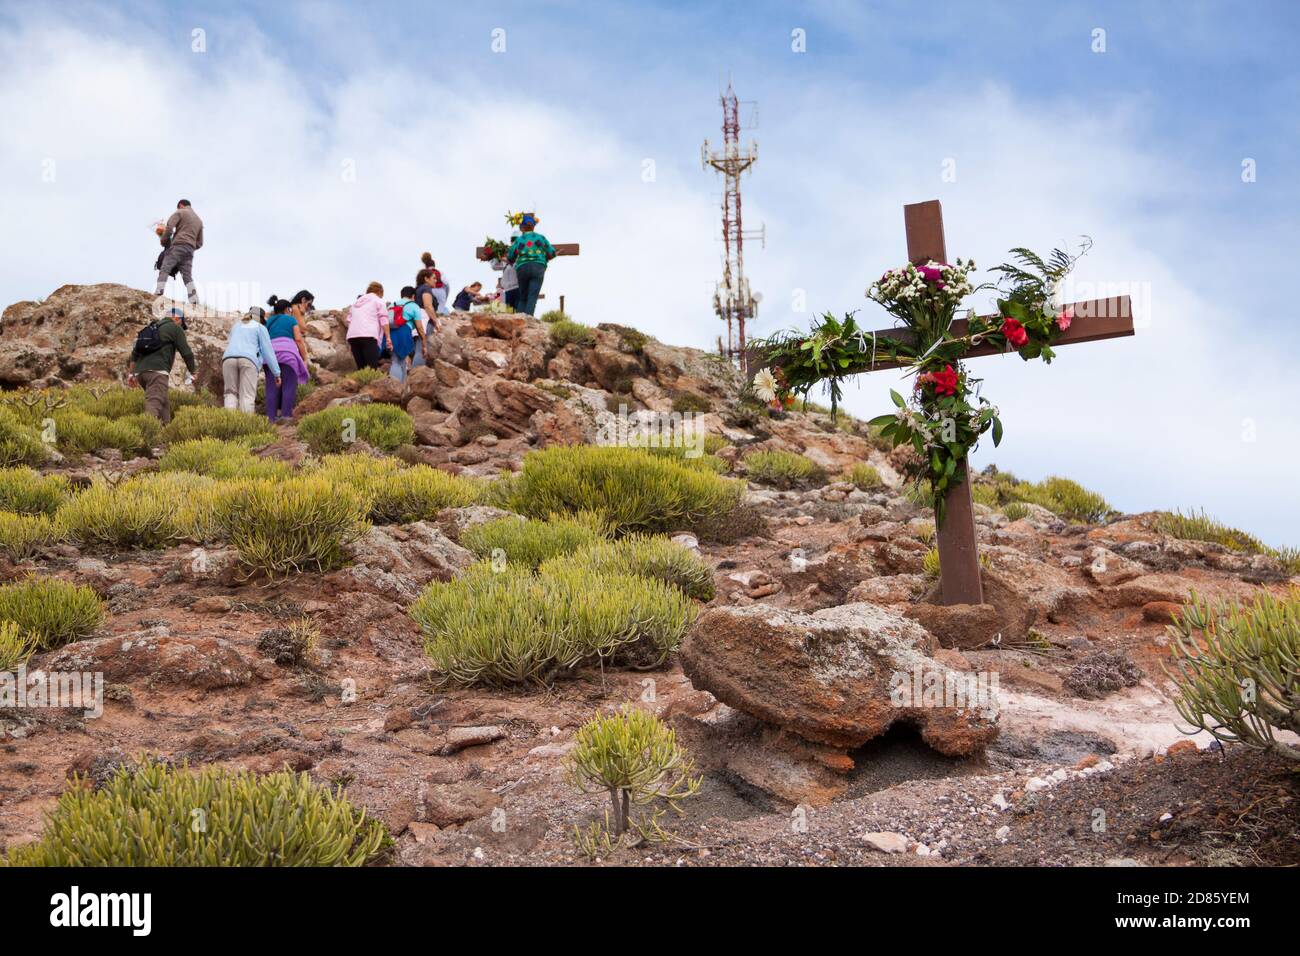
{"x":945,"y":416}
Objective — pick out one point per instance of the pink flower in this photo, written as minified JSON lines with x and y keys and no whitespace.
{"x":1065,"y":318}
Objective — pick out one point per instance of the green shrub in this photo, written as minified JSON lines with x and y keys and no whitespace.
{"x":554,"y":315}
{"x":113,"y":401}
{"x":21,"y":536}
{"x":695,"y":454}
{"x":132,"y":514}
{"x":529,"y":543}
{"x":20,"y":444}
{"x":565,"y":332}
{"x":379,"y":425}
{"x":54,"y":612}
{"x":16,"y":646}
{"x":783,"y":469}
{"x":1016,"y":510}
{"x":1236,"y":669}
{"x":1198,"y":526}
{"x":930,"y":563}
{"x":648,"y":556}
{"x":637,"y":491}
{"x":222,"y":459}
{"x":689,"y":402}
{"x":366,"y":376}
{"x":512,"y":626}
{"x":305,"y":523}
{"x":1063,"y":497}
{"x":864,"y":477}
{"x":635,"y":759}
{"x":78,"y":433}
{"x":29,"y":492}
{"x":228,"y":424}
{"x":396,"y":493}
{"x":155,"y":815}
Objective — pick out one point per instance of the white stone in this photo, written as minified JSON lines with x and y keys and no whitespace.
{"x":1003,"y":832}
{"x":886,"y":842}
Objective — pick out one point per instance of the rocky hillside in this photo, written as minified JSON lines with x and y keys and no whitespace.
{"x":818,"y":588}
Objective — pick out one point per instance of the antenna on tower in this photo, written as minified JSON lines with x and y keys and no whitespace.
{"x":732,"y":300}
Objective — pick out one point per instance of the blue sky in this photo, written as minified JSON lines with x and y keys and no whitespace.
{"x":1140,"y":147}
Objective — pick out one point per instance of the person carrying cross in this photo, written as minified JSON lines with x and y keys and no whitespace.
{"x":529,"y":254}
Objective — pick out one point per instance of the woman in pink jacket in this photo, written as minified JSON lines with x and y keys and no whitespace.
{"x":368,"y":327}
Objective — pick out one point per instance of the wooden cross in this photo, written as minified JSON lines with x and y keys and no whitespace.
{"x":561,"y":249}
{"x":1093,"y":320}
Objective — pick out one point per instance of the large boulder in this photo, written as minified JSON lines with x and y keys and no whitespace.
{"x":157,"y":656}
{"x":84,"y":332}
{"x":841,"y":676}
{"x":501,"y":407}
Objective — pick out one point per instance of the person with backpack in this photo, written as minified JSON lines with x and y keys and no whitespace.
{"x":181,"y":238}
{"x":529,"y":254}
{"x":406,"y":334}
{"x":283,"y":326}
{"x":367,"y":323}
{"x":151,"y":361}
{"x":247,"y":350}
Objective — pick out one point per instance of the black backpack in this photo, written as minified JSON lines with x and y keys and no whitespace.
{"x":148,"y":340}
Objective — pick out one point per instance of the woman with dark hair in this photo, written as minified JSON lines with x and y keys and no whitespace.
{"x":367,"y":323}
{"x":284,"y":328}
{"x":440,"y":288}
{"x":301,"y":304}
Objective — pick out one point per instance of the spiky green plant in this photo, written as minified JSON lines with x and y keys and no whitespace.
{"x":16,"y":645}
{"x":636,"y":490}
{"x":865,"y":477}
{"x":395,"y":492}
{"x":635,"y":759}
{"x":77,"y":433}
{"x":567,"y":332}
{"x":155,"y":815}
{"x":28,"y":492}
{"x":20,"y":444}
{"x":510,"y":626}
{"x":305,"y":523}
{"x":783,"y":469}
{"x":228,"y":424}
{"x":1061,"y":496}
{"x":54,"y":612}
{"x":219,"y":458}
{"x":650,"y":556}
{"x":530,"y":542}
{"x":1016,"y":510}
{"x":21,"y":536}
{"x":366,"y":376}
{"x":132,"y":514}
{"x":554,"y":315}
{"x":930,"y":563}
{"x":1237,"y":667}
{"x":380,"y":426}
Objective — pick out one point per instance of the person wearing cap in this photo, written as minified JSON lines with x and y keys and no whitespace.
{"x":529,"y":254}
{"x":181,"y":238}
{"x":247,"y":350}
{"x":151,"y":365}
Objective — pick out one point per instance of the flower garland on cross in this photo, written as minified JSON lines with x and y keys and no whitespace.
{"x":945,"y":415}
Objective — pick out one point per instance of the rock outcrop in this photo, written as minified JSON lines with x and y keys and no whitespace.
{"x":840,"y":676}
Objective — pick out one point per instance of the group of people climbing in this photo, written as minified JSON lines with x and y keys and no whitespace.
{"x":271,"y":345}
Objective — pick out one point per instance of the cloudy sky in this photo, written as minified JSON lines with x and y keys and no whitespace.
{"x":328,"y":144}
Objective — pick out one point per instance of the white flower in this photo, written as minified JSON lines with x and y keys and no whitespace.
{"x":765,"y":385}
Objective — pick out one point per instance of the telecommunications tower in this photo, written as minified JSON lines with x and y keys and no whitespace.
{"x":732,"y":300}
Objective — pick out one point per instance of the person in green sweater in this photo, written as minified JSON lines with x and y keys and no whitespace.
{"x":529,"y":254}
{"x":151,"y":361}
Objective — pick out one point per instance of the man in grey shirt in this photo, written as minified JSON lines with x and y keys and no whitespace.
{"x":181,"y":239}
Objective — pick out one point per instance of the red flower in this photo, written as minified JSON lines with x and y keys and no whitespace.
{"x":1064,"y":319}
{"x":1015,"y":332}
{"x":945,"y":382}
